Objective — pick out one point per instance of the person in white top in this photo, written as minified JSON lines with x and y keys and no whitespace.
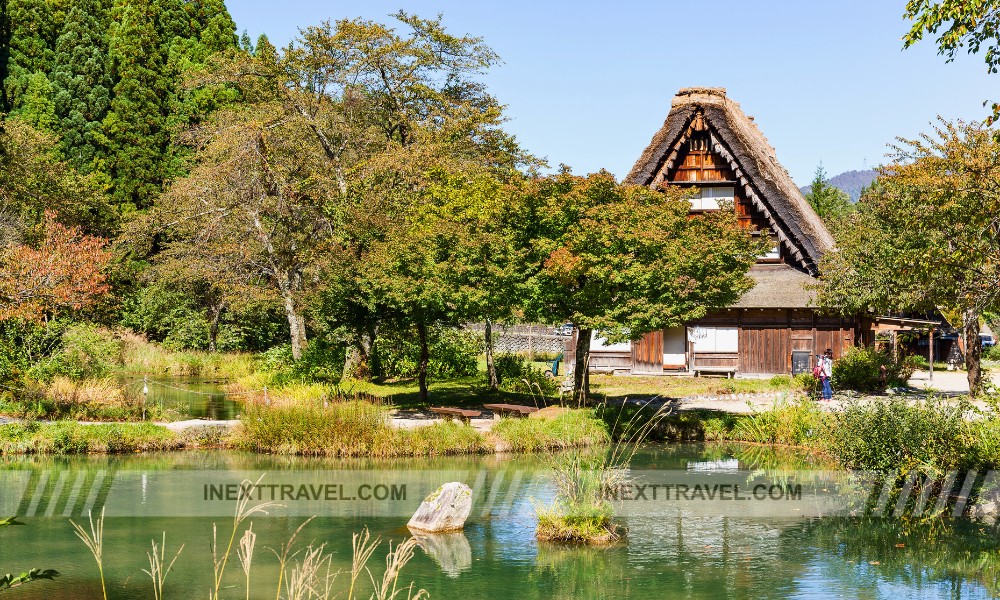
{"x":826,"y":373}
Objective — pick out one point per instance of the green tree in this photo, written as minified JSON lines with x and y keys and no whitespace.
{"x":81,"y":82}
{"x":33,"y":180}
{"x":829,"y":202}
{"x":372,"y":112}
{"x":135,"y":129}
{"x":37,"y":107}
{"x":626,"y":260}
{"x":962,"y":24}
{"x":454,"y":259}
{"x":31,"y":39}
{"x":927,"y":236}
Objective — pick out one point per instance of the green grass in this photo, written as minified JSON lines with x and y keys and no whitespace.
{"x":140,"y":357}
{"x":68,"y":437}
{"x":569,"y":429}
{"x":362,"y":428}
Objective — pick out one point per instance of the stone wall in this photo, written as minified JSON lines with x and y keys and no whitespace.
{"x":524,"y":338}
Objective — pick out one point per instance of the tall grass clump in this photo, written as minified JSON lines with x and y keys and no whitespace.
{"x":301,"y":573}
{"x":142,"y":357}
{"x":70,"y":437}
{"x":568,"y":429}
{"x":793,"y":423}
{"x":581,"y":512}
{"x":585,"y":482}
{"x":352,"y":428}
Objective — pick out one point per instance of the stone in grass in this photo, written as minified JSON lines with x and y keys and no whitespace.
{"x":444,"y":510}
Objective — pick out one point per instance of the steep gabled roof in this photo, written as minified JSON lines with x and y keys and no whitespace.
{"x":760,"y":176}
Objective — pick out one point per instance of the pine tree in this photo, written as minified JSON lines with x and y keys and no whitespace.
{"x":36,"y":103}
{"x":31,"y":38}
{"x":136,"y":135}
{"x":829,"y":202}
{"x":81,"y":82}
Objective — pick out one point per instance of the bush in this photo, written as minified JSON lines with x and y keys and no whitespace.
{"x":896,"y":435}
{"x":992,"y":353}
{"x":321,"y":361}
{"x":516,"y":375}
{"x":860,"y":369}
{"x":86,"y":352}
{"x":453,"y":353}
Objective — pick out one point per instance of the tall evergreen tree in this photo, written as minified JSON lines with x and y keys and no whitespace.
{"x":36,"y":103}
{"x":136,"y":136}
{"x":31,"y":38}
{"x":81,"y":82}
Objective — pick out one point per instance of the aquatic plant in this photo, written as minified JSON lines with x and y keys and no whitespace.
{"x":94,"y":540}
{"x":584,"y":481}
{"x":8,"y":580}
{"x":158,"y":569}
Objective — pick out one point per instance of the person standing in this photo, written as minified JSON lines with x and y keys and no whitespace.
{"x":826,"y":373}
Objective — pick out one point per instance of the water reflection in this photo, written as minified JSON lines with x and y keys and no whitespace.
{"x":188,"y":398}
{"x":497,"y":555}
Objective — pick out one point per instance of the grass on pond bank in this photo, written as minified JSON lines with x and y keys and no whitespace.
{"x":358,"y":428}
{"x":69,"y":437}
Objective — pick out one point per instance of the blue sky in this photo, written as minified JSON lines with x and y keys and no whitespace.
{"x":588,"y":83}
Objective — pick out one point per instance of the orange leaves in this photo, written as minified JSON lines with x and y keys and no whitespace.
{"x":564,"y":266}
{"x":64,"y":271}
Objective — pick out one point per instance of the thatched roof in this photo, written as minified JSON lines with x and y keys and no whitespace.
{"x":761,"y":178}
{"x":778,"y":286}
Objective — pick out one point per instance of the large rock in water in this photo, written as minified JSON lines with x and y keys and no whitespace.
{"x":444,"y":510}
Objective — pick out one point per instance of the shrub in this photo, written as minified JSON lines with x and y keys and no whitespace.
{"x":860,"y":369}
{"x":452,"y":353}
{"x":85,"y":352}
{"x":321,"y":361}
{"x":516,"y":375}
{"x":992,"y":353}
{"x":896,"y":435}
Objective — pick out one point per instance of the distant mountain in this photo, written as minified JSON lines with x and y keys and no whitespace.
{"x":851,"y":182}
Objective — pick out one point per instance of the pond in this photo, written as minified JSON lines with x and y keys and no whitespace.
{"x":187,"y":397}
{"x":706,"y":556}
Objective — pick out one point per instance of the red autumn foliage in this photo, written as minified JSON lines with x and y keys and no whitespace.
{"x":65,"y":270}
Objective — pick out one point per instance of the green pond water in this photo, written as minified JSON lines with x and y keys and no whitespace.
{"x":187,"y":397}
{"x":497,"y":556}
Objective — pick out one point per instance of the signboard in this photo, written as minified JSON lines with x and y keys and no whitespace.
{"x":801,"y":361}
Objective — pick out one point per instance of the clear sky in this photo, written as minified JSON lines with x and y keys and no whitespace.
{"x":587,"y":83}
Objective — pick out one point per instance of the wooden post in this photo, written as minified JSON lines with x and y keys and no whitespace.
{"x":930,"y":352}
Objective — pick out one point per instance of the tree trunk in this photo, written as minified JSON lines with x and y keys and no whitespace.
{"x":424,"y":360}
{"x":296,"y":323}
{"x":581,"y":371}
{"x":215,"y":313}
{"x":362,"y":361}
{"x":973,"y":350}
{"x":491,"y":370}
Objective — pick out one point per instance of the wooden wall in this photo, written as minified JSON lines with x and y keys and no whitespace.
{"x":768,"y":336}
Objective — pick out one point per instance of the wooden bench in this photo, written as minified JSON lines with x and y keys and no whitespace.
{"x":516,"y":410}
{"x":730,"y":372}
{"x":453,"y":413}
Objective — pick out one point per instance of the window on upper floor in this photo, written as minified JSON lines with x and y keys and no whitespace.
{"x":708,"y":198}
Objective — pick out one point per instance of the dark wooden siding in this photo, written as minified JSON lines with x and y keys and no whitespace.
{"x":647,"y":354}
{"x":768,"y":337}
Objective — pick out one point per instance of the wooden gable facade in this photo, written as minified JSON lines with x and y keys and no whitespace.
{"x":709,"y":145}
